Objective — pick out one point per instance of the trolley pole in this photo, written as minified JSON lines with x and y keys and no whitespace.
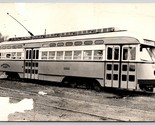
{"x":21,"y":24}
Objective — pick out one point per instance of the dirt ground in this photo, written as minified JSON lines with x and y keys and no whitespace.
{"x":74,"y":104}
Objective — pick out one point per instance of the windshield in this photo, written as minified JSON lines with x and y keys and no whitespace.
{"x":152,"y":53}
{"x":147,"y":53}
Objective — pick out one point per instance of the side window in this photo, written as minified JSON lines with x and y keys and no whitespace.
{"x":77,"y":55}
{"x":52,"y":55}
{"x":129,"y":53}
{"x":27,"y":53}
{"x":88,"y":42}
{"x":132,"y":53}
{"x":87,"y":54}
{"x":19,"y":54}
{"x":8,"y":55}
{"x":44,"y":55}
{"x":30,"y":54}
{"x":125,"y":53}
{"x":68,"y":55}
{"x":37,"y":54}
{"x":14,"y":55}
{"x":109,"y":53}
{"x":98,"y":54}
{"x":116,"y":53}
{"x":52,"y":44}
{"x":59,"y":55}
{"x":3,"y":55}
{"x":69,"y":43}
{"x":34,"y":54}
{"x":0,"y":55}
{"x":99,"y":42}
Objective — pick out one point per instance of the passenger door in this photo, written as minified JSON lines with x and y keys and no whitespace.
{"x":112,"y":66}
{"x":31,"y":63}
{"x":120,"y":66}
{"x":128,"y":67}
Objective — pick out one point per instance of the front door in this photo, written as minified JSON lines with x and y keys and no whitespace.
{"x":31,"y":63}
{"x":120,"y":66}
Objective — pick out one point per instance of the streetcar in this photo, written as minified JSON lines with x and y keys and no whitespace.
{"x":106,"y":57}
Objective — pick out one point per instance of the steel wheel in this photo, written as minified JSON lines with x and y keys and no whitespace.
{"x":73,"y":84}
{"x":97,"y":86}
{"x":65,"y":82}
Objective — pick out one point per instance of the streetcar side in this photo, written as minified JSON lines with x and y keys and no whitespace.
{"x":97,"y":59}
{"x":94,"y":62}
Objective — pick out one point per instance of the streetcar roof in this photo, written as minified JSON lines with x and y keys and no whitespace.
{"x":120,"y":34}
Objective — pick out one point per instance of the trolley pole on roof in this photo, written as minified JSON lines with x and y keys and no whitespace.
{"x":21,"y":25}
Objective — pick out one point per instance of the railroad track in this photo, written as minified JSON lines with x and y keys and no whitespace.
{"x":71,"y":100}
{"x":56,"y":107}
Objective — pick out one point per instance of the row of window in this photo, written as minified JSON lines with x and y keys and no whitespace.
{"x":58,"y":44}
{"x":56,"y":55}
{"x":32,"y":54}
{"x":73,"y":55}
{"x":123,"y":78}
{"x":11,"y":46}
{"x":33,"y":64}
{"x":113,"y":53}
{"x":76,"y":43}
{"x":11,"y":55}
{"x":33,"y":71}
{"x":124,"y":67}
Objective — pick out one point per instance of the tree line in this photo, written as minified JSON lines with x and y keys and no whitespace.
{"x":2,"y":37}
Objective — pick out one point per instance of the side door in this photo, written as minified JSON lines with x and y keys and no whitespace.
{"x":128,"y":67}
{"x":112,"y":65}
{"x":31,"y":63}
{"x":120,"y":66}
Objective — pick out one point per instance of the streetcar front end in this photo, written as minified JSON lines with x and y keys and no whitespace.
{"x":146,"y":66}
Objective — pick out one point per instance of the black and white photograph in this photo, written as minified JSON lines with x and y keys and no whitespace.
{"x":77,"y":62}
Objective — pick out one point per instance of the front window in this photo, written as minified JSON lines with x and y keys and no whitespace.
{"x":152,"y":53}
{"x":147,"y":53}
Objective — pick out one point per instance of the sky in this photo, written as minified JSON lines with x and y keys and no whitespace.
{"x":65,"y":17}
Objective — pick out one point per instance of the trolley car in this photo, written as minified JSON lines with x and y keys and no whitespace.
{"x":104,"y":57}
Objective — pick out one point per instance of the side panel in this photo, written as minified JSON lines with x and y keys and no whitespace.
{"x":12,"y":65}
{"x":145,"y":71}
{"x":79,"y":69}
